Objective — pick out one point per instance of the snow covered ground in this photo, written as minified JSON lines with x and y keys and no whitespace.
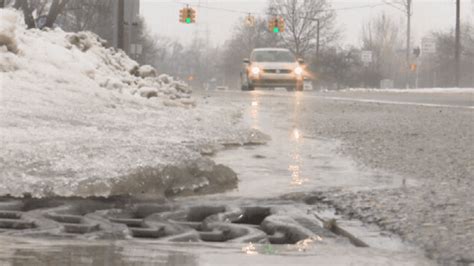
{"x":75,"y":116}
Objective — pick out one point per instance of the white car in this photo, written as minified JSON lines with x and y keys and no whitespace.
{"x":272,"y":68}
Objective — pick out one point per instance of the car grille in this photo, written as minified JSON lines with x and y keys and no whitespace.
{"x":277,"y":71}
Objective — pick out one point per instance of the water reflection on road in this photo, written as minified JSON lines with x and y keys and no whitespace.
{"x":294,"y":160}
{"x":297,"y":143}
{"x":38,"y":252}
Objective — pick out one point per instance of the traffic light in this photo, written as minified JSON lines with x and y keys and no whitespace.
{"x":276,"y":24}
{"x":183,"y":13}
{"x":187,"y":15}
{"x":413,"y":67}
{"x":271,"y":25}
{"x":281,"y":24}
{"x":191,"y":16}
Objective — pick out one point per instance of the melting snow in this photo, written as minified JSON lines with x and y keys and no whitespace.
{"x":73,"y":112}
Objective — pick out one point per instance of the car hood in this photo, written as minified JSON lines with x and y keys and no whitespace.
{"x":275,"y":65}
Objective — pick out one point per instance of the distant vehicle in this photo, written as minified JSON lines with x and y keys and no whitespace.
{"x":272,"y":68}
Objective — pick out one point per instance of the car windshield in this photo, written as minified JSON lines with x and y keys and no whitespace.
{"x":273,"y":56}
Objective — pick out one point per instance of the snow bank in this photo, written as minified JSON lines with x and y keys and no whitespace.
{"x":76,"y":117}
{"x":50,"y":58}
{"x":419,"y":90}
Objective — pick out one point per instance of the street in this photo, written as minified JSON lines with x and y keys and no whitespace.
{"x":329,"y":157}
{"x":275,"y":132}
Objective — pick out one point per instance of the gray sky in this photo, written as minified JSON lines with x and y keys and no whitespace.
{"x":162,"y":17}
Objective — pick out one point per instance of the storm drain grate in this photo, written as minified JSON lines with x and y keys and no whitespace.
{"x":73,"y":224}
{"x":169,"y":222}
{"x":12,"y":220}
{"x":138,"y":228}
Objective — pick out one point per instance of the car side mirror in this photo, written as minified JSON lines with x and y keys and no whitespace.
{"x":246,"y":60}
{"x":301,"y":60}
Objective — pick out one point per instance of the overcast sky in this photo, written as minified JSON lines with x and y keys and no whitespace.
{"x":162,"y":17}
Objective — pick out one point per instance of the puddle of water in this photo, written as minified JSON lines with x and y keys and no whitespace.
{"x":25,"y":251}
{"x":294,"y":160}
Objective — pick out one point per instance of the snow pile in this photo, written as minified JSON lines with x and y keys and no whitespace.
{"x":7,"y":30}
{"x":54,"y":57}
{"x":76,"y":118}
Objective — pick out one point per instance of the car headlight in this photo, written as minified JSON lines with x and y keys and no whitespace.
{"x":299,"y":71}
{"x":255,"y":71}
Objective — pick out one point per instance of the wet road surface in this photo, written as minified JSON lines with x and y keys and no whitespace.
{"x":294,"y":161}
{"x":444,"y":99}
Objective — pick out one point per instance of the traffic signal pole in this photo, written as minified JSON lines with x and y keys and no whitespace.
{"x":408,"y":41}
{"x":120,"y":26}
{"x":458,"y":42}
{"x":317,"y":40}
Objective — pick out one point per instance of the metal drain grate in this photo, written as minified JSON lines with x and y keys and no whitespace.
{"x":165,"y":222}
{"x":12,"y":220}
{"x":73,"y":224}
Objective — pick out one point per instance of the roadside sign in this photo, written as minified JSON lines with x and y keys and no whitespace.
{"x":366,"y":56}
{"x":428,"y":46}
{"x":250,"y":21}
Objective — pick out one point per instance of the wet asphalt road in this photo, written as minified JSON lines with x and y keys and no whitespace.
{"x":454,"y":100}
{"x":302,"y":157}
{"x":400,"y":160}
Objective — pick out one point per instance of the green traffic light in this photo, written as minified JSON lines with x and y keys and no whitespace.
{"x":276,"y":30}
{"x":188,"y":20}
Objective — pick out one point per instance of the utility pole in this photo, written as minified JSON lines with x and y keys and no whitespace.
{"x":317,"y":41}
{"x":408,"y":9}
{"x":458,"y":42}
{"x":120,"y":26}
{"x":2,"y":3}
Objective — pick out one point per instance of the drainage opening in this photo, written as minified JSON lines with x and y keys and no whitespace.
{"x":13,"y":220}
{"x":199,"y":213}
{"x":253,"y":215}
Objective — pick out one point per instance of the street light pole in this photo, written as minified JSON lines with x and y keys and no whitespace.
{"x":317,"y":41}
{"x":120,"y":26}
{"x":458,"y":42}
{"x":408,"y":42}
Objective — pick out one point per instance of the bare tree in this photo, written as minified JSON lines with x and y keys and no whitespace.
{"x":302,"y":18}
{"x":38,"y":7}
{"x":382,"y":36}
{"x":339,"y":68}
{"x":438,"y":69}
{"x":243,"y":41}
{"x":405,"y":6}
{"x":56,"y":8}
{"x":86,"y":14}
{"x":27,"y":12}
{"x":154,"y":49}
{"x":91,"y":15}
